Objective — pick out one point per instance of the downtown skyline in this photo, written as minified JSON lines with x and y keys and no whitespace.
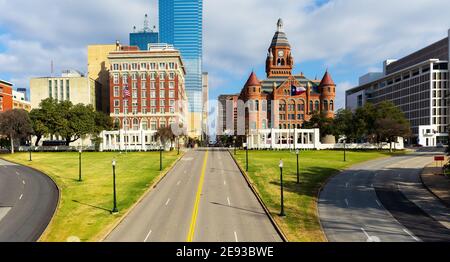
{"x":339,"y":35}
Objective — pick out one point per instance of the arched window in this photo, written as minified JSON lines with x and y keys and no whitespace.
{"x":126,"y":123}
{"x":311,"y":106}
{"x":145,"y":124}
{"x":153,"y":124}
{"x":117,"y":123}
{"x":135,"y":124}
{"x":162,"y":123}
{"x":331,"y":105}
{"x":300,"y":106}
{"x":291,"y":107}
{"x":316,"y":106}
{"x":325,"y":105}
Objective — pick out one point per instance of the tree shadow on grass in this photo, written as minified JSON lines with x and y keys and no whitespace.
{"x":96,"y":207}
{"x":311,"y":179}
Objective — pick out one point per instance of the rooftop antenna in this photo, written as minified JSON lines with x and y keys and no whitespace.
{"x":146,"y":23}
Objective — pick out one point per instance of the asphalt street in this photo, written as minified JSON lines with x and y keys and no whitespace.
{"x":383,"y":200}
{"x":204,"y":198}
{"x":28,"y":200}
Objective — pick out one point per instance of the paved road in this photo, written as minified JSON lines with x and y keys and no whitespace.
{"x":204,"y":198}
{"x":383,"y":200}
{"x":28,"y":200}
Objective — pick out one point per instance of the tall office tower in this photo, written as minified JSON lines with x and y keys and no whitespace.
{"x":181,"y":24}
{"x":145,"y":36}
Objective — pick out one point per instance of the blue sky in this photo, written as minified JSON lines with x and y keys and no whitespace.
{"x":349,"y":37}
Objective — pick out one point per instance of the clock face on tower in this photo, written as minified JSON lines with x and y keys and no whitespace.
{"x":281,"y":53}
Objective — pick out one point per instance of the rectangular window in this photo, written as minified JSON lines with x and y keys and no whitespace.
{"x":143,"y":85}
{"x":134,"y":66}
{"x":153,"y":110}
{"x":171,"y":94}
{"x":152,"y":76}
{"x":116,"y":111}
{"x":50,"y":89}
{"x":162,"y":66}
{"x":115,"y":67}
{"x":134,"y":76}
{"x":135,"y":93}
{"x":67,"y":89}
{"x":116,"y":79}
{"x":162,"y":94}
{"x":171,"y":76}
{"x":152,"y":102}
{"x":135,"y":103}
{"x":171,"y":85}
{"x":144,"y":102}
{"x":162,"y":76}
{"x":143,"y":94}
{"x":152,"y":94}
{"x":116,"y":103}
{"x":152,"y":85}
{"x":161,"y":85}
{"x":162,"y":111}
{"x":55,"y":83}
{"x":125,"y":79}
{"x":162,"y":102}
{"x":144,"y":110}
{"x":116,"y":91}
{"x":125,"y":66}
{"x":172,"y":110}
{"x":171,"y":65}
{"x":152,"y":66}
{"x":61,"y":89}
{"x":172,"y":103}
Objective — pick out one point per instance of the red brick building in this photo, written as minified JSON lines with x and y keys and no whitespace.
{"x":6,"y":96}
{"x":292,"y":97}
{"x":147,"y":88}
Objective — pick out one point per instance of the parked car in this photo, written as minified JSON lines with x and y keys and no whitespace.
{"x":440,"y":145}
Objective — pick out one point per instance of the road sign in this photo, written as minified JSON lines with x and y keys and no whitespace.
{"x":439,"y":158}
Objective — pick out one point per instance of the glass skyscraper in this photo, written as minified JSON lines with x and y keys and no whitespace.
{"x":181,"y":24}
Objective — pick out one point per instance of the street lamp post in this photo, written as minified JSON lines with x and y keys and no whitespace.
{"x":345,"y":153}
{"x":160,"y":158}
{"x":115,"y":210}
{"x":178,"y":141}
{"x":281,"y":184}
{"x":79,"y":165}
{"x":234,"y":140}
{"x":30,"y":152}
{"x":298,"y":171}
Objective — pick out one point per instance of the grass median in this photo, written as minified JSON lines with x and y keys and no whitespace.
{"x":84,"y":210}
{"x":301,"y":223}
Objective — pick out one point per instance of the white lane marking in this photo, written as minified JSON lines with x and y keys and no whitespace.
{"x":20,"y":196}
{"x":168,"y":201}
{"x":378,"y":203}
{"x":179,"y":182}
{"x":148,"y":235}
{"x":235,"y":236}
{"x":23,"y":182}
{"x":346,"y":202}
{"x":17,"y":173}
{"x":369,"y":237}
{"x":228,"y":199}
{"x":411,"y":235}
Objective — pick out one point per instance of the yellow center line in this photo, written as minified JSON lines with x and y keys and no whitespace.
{"x":191,"y":233}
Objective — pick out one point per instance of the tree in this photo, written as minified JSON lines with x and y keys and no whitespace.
{"x":15,"y":124}
{"x":165,"y":134}
{"x":321,"y":121}
{"x":389,"y":129}
{"x":39,"y":124}
{"x":349,"y":124}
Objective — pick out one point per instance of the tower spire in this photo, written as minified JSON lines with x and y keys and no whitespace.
{"x":280,"y":25}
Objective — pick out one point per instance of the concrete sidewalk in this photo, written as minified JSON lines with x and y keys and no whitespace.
{"x":436,"y":183}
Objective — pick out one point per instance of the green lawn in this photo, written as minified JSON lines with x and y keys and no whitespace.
{"x":301,"y":223}
{"x":84,"y":210}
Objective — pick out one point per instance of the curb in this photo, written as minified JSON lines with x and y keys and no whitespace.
{"x":59,"y":196}
{"x":255,"y":192}
{"x":159,"y":178}
{"x":431,"y":191}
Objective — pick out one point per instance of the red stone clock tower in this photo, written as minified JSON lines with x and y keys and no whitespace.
{"x":279,"y":58}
